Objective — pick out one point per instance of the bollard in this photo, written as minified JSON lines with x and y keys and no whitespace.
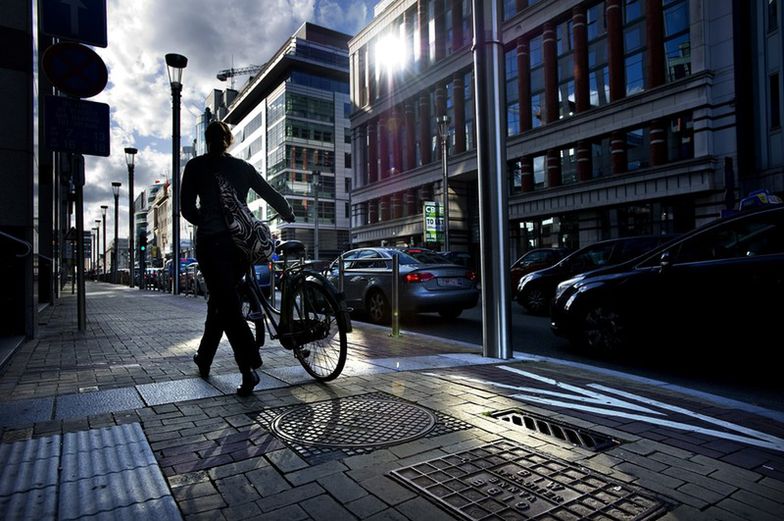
{"x":341,"y":273}
{"x":395,"y":295}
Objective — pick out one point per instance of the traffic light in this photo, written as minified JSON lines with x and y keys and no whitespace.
{"x":142,"y":243}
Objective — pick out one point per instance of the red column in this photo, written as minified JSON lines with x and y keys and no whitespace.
{"x":618,"y":152}
{"x":520,"y":5}
{"x":383,"y":146}
{"x":658,"y":147}
{"x":372,"y":151}
{"x":583,"y":161}
{"x":409,"y":162}
{"x":615,"y":49}
{"x":424,"y":128}
{"x":424,"y":49}
{"x":440,"y":110}
{"x":550,"y":53}
{"x":581,"y":95}
{"x":654,"y":31}
{"x":458,"y":99}
{"x":524,"y":83}
{"x":457,"y":24}
{"x":527,"y":173}
{"x":553,"y":168}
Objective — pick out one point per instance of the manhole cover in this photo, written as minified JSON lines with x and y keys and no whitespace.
{"x":354,"y":422}
{"x":504,"y":480}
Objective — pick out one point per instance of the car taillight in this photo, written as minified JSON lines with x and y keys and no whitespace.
{"x":470,"y":275}
{"x":418,"y":276}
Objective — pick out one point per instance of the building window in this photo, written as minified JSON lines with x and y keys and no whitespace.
{"x":512,"y":94}
{"x":600,"y":157}
{"x":598,"y":70}
{"x":539,"y":162}
{"x":773,"y":15}
{"x":537,"y":81}
{"x":634,"y":46}
{"x":680,"y":138}
{"x":775,"y":102}
{"x":565,"y":45}
{"x":468,"y":82}
{"x":677,"y":43}
{"x":515,"y":169}
{"x":347,"y":159}
{"x":568,"y":166}
{"x":637,"y":149}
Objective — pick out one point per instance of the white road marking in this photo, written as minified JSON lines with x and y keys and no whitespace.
{"x":585,"y":396}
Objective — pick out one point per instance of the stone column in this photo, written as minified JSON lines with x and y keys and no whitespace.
{"x":440,"y":27}
{"x":527,"y":173}
{"x":458,"y":95}
{"x":553,"y":168}
{"x":524,"y":83}
{"x":424,"y":49}
{"x":372,"y":132}
{"x":424,"y":128}
{"x":654,"y":33}
{"x":615,"y":49}
{"x":581,"y":92}
{"x":618,"y":152}
{"x":383,"y":145}
{"x":583,"y":161}
{"x":550,"y":54}
{"x":658,"y":146}
{"x":457,"y":24}
{"x":409,"y":162}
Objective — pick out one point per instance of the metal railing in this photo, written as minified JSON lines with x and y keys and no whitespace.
{"x":27,"y":245}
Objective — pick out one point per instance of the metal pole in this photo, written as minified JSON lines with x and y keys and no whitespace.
{"x":395,"y":295}
{"x":104,"y":244}
{"x":81,"y":302}
{"x":316,"y":183}
{"x":115,"y":249}
{"x":491,"y":161}
{"x":445,"y":183}
{"x":175,"y":196}
{"x":341,"y":273}
{"x":131,"y":223}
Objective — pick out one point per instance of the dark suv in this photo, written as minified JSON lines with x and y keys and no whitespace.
{"x":717,"y":287}
{"x":535,"y":290}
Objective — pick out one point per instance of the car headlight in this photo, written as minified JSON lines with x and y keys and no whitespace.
{"x":563,"y":286}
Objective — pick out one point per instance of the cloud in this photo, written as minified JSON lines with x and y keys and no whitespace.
{"x":348,"y":16}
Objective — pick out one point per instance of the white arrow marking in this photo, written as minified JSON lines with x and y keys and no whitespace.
{"x":75,"y":5}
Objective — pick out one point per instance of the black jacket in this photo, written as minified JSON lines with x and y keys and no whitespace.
{"x":198,"y":180}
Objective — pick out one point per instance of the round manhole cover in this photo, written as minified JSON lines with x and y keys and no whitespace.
{"x":354,"y":422}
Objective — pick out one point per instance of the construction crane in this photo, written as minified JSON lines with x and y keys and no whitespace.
{"x":230,"y":73}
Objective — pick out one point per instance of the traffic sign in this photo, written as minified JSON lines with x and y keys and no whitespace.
{"x":75,"y":69}
{"x":77,"y":126}
{"x":80,"y":20}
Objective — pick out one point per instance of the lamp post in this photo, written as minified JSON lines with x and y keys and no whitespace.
{"x":130,"y":155}
{"x":316,"y":183}
{"x":175,"y":63}
{"x":97,"y":245}
{"x":116,"y":250}
{"x":443,"y":132}
{"x":104,"y":207}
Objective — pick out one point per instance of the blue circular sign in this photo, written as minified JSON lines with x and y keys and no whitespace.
{"x":75,"y":69}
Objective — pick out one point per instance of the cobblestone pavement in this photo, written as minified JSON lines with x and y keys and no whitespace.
{"x":115,"y":422}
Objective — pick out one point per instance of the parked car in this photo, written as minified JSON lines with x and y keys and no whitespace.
{"x":264,"y":276}
{"x":201,"y":286}
{"x":535,"y":290}
{"x":188,"y":278}
{"x":532,"y":260}
{"x":718,"y":286}
{"x":427,"y":256}
{"x":461,"y":258}
{"x":444,"y":288}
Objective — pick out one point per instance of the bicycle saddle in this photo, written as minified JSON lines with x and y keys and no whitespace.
{"x":290,"y":248}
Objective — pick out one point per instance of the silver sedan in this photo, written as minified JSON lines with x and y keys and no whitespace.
{"x":444,"y":288}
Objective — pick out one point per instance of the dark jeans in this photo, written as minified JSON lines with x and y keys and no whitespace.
{"x":222,"y":267}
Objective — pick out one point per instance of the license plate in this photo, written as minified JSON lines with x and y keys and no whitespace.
{"x":451,"y":283}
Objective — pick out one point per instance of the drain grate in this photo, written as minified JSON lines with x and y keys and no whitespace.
{"x":505,"y":481}
{"x":343,"y":427}
{"x":584,"y":438}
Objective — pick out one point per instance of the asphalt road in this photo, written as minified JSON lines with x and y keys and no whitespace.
{"x":727,"y":375}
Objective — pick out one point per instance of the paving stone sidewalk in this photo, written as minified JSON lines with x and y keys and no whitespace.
{"x":115,"y":423}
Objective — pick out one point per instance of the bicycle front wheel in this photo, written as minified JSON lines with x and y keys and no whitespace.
{"x":319,"y":329}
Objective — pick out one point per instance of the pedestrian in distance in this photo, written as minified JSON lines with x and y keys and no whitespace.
{"x":221,"y":262}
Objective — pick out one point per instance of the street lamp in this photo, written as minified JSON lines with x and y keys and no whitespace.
{"x":97,"y":245}
{"x":92,"y":249}
{"x":130,"y":155}
{"x":175,"y":63}
{"x":316,"y":184}
{"x":443,"y":132}
{"x":116,"y":250}
{"x":104,"y":207}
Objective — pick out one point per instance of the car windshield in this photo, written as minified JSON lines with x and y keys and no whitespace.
{"x":405,"y":258}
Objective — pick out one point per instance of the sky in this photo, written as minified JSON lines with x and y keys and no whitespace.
{"x":213,"y":36}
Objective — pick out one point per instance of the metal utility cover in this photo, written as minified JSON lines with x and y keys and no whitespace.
{"x":505,"y":481}
{"x":354,"y":422}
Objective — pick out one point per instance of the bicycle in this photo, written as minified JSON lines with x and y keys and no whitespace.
{"x":312,"y":320}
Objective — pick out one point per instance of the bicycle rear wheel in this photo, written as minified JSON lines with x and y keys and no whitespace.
{"x":319,"y":327}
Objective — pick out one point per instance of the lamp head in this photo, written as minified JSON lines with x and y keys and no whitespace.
{"x":175,"y":63}
{"x":116,"y":188}
{"x":104,"y":207}
{"x":130,"y":154}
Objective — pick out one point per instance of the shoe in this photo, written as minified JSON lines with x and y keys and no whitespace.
{"x":249,"y":381}
{"x":204,"y":371}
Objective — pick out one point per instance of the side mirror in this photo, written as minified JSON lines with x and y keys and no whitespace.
{"x":665,"y":261}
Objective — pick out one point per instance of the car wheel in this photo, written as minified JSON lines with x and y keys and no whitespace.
{"x":378,"y":307}
{"x":604,"y":330}
{"x":450,"y":312}
{"x":534,"y":300}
